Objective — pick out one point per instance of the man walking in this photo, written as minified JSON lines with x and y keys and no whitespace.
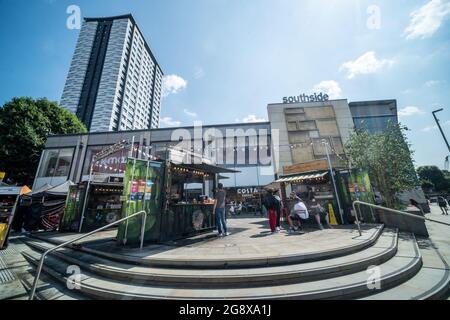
{"x":443,"y":205}
{"x":219,"y":210}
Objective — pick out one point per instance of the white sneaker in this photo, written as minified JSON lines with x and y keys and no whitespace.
{"x":227,"y":234}
{"x":220,"y":235}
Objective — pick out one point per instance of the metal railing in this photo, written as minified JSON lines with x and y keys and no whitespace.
{"x":41,"y":261}
{"x":359,"y":203}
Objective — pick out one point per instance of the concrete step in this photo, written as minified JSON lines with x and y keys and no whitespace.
{"x":211,"y":261}
{"x":384,"y":249}
{"x":431,"y":282}
{"x":401,"y":267}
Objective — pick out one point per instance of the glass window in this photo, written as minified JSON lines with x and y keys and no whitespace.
{"x":56,"y":163}
{"x":48,"y":166}
{"x":64,"y":161}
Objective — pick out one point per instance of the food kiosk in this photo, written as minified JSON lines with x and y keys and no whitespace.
{"x":351,"y":185}
{"x":177,"y":198}
{"x":9,"y":198}
{"x":164,"y":190}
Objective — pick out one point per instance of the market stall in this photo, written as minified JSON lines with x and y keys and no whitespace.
{"x":42,"y":208}
{"x":351,"y":185}
{"x":164,"y":190}
{"x":102,"y":206}
{"x":9,"y":199}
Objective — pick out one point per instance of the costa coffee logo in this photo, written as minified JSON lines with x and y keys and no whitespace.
{"x":247,"y":190}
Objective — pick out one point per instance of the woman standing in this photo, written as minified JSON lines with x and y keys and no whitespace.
{"x":270,"y":202}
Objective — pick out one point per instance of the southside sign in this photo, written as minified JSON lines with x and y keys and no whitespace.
{"x":321,"y":97}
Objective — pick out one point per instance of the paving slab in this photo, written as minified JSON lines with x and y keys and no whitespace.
{"x":250,"y":240}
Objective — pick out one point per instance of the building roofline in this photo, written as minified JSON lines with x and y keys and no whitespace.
{"x":160,"y":129}
{"x":133,"y":21}
{"x":374,"y":101}
{"x":281,"y":103}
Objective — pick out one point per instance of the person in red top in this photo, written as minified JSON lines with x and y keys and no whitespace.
{"x":270,"y":202}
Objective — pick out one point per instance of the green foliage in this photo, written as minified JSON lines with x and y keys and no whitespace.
{"x":387,"y":158}
{"x":24,"y":125}
{"x":427,"y":185}
{"x":439,"y":179}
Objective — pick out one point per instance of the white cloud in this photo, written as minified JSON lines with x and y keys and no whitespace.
{"x":329,"y":87}
{"x":189,"y":113}
{"x":426,"y":20}
{"x":429,"y":128}
{"x":407,"y":91}
{"x":432,"y":83}
{"x":172,"y":84}
{"x":251,"y":118}
{"x":409,"y":111}
{"x":434,"y":127}
{"x":169,"y":122}
{"x":199,"y":73}
{"x":366,"y":64}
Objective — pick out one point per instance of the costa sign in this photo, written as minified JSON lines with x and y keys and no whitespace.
{"x":247,"y":190}
{"x":321,"y":97}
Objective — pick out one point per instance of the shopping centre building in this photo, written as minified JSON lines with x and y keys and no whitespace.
{"x":259,"y":152}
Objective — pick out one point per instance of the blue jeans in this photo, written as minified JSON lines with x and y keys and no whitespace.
{"x":220,"y":220}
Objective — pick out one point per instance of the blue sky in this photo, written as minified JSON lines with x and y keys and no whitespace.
{"x":230,"y":58}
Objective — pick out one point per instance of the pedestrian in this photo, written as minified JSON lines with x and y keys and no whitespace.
{"x":219,"y":210}
{"x":270,"y":202}
{"x":239,"y":208}
{"x":232,"y":211}
{"x":279,"y":208}
{"x":417,"y":205}
{"x":443,"y":205}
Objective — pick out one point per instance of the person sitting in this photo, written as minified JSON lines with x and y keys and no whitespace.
{"x":319,"y":213}
{"x":297,"y":213}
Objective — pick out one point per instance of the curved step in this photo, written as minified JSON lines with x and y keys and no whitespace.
{"x":398,"y":269}
{"x":384,"y":249}
{"x":431,"y":282}
{"x":368,"y":238}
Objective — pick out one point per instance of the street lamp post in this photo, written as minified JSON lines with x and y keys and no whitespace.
{"x":439,"y":126}
{"x":334,"y":182}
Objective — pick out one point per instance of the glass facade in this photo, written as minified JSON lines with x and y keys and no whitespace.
{"x":55,"y":167}
{"x":374,"y":116}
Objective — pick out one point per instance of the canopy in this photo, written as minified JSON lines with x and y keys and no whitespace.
{"x":40,"y":190}
{"x":301,"y":177}
{"x":14,"y":190}
{"x":60,"y":190}
{"x":208,"y":168}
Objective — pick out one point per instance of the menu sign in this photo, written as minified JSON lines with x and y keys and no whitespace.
{"x":315,"y":165}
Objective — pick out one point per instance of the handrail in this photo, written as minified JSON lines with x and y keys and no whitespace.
{"x":394,"y":211}
{"x":41,"y":261}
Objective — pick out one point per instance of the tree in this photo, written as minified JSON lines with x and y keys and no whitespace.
{"x":387,"y":158}
{"x":439,"y":178}
{"x":24,"y":125}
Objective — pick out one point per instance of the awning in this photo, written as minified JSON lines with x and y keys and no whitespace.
{"x":60,"y":190}
{"x":302,"y":177}
{"x":207,"y":168}
{"x":14,"y":190}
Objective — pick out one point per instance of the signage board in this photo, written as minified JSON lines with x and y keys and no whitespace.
{"x":306,"y":167}
{"x":302,"y":98}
